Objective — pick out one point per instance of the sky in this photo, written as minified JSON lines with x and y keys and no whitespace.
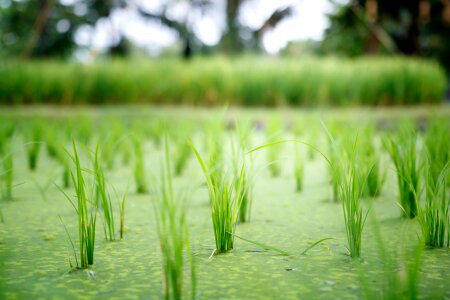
{"x":308,"y":21}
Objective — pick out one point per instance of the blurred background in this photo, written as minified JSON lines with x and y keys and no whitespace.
{"x":89,"y":31}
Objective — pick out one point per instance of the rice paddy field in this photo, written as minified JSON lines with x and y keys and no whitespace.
{"x":144,"y":202}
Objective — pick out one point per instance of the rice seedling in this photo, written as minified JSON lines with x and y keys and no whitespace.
{"x":139,"y":166}
{"x":434,"y":217}
{"x":126,"y":150}
{"x":370,"y":162}
{"x":7,"y":175}
{"x":402,"y":150}
{"x":122,"y":201}
{"x":242,"y":174}
{"x":65,"y":173}
{"x":243,"y":134}
{"x":299,"y":166}
{"x":7,"y":129}
{"x":33,"y":146}
{"x":51,"y":139}
{"x":213,"y":143}
{"x":103,"y":199}
{"x":179,"y":274}
{"x":350,"y":185}
{"x":335,"y":156}
{"x":182,"y":155}
{"x":437,"y":143}
{"x":225,"y":196}
{"x":274,"y":132}
{"x":87,"y":214}
{"x":350,"y":193}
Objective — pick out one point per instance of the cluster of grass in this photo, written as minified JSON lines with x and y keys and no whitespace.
{"x":350,"y":188}
{"x":86,"y":212}
{"x":434,"y":216}
{"x":178,"y":262}
{"x":212,"y":81}
{"x":403,"y":151}
{"x":225,"y":196}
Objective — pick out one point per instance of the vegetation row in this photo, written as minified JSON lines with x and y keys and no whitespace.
{"x":214,"y":81}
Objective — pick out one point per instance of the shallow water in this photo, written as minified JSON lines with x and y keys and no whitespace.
{"x":35,"y":251}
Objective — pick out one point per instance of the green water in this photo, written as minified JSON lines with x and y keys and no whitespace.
{"x":35,"y":252}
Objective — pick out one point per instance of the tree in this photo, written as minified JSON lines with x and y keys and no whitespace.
{"x":53,"y":25}
{"x":236,"y":36}
{"x":411,"y":27}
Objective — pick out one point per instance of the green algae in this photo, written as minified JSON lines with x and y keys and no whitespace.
{"x":34,"y":251}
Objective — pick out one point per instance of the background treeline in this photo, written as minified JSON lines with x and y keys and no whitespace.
{"x":214,"y":81}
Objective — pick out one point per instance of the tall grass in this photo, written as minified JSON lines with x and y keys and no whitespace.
{"x":103,"y":198}
{"x":178,"y":261}
{"x":212,"y":81}
{"x":403,"y":152}
{"x":86,"y":212}
{"x":225,"y":196}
